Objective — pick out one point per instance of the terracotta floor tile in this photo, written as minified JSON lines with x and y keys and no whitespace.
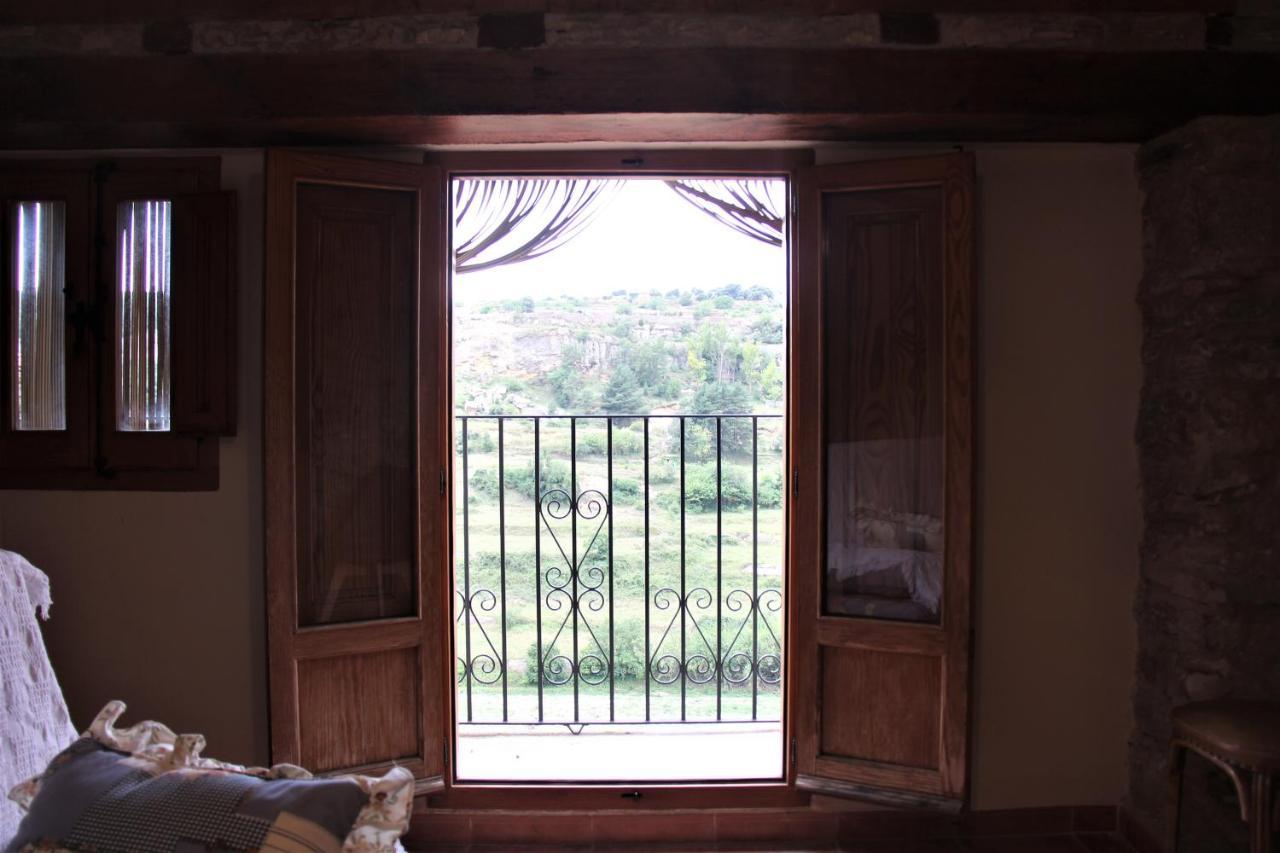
{"x":1102,"y":842}
{"x":910,"y":845}
{"x":1022,"y":844}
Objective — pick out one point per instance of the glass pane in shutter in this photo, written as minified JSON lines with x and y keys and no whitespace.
{"x":142,"y":316}
{"x":883,"y":404}
{"x":39,"y":356}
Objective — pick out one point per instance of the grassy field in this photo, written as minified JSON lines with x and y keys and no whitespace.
{"x":726,"y":541}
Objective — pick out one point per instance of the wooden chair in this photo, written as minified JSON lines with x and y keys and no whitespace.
{"x":1241,"y":737}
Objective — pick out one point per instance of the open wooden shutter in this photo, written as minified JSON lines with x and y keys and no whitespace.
{"x":355,"y":446}
{"x":204,"y":313}
{"x":881,"y":520}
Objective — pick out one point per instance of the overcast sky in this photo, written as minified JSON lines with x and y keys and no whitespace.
{"x":647,"y":237}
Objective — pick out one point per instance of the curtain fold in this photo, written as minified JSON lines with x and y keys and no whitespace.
{"x":752,"y":207}
{"x":500,"y":221}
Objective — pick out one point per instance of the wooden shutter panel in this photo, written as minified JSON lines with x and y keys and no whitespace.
{"x":881,"y":520}
{"x":204,"y":313}
{"x":356,"y":432}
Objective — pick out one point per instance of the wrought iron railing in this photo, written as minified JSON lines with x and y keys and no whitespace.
{"x":707,"y":645}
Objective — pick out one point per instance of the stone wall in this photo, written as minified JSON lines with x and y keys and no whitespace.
{"x":1208,"y":603}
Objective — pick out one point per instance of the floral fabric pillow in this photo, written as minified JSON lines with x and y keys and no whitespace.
{"x":145,"y":789}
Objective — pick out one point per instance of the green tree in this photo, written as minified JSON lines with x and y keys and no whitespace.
{"x":651,"y":363}
{"x":724,"y":398}
{"x":715,"y":353}
{"x":622,"y":394}
{"x":720,"y":398}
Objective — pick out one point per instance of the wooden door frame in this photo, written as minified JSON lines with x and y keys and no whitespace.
{"x":652,"y":163}
{"x":285,"y":639}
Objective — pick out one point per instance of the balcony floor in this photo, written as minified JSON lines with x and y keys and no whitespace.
{"x":620,"y":752}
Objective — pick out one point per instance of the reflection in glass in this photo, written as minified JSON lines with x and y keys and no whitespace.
{"x":883,"y":408}
{"x":142,"y":316}
{"x":38,"y":358}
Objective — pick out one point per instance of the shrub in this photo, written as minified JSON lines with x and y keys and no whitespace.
{"x":770,"y":491}
{"x":596,"y":443}
{"x":700,"y":490}
{"x":477,"y":441}
{"x":628,"y":651}
{"x":625,"y":487}
{"x":554,"y":475}
{"x":483,"y":481}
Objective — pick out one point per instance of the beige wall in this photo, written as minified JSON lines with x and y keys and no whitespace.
{"x":1059,"y":230}
{"x":1058,"y":508}
{"x":1057,"y":511}
{"x":158,"y":596}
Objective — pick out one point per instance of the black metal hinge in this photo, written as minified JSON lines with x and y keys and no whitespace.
{"x":444,"y":481}
{"x":793,"y":752}
{"x":795,"y":482}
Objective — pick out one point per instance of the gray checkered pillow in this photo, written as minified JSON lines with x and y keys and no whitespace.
{"x":146,"y":790}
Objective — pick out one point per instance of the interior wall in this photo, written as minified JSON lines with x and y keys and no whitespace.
{"x":159,"y":596}
{"x":1059,"y":517}
{"x":1058,"y":522}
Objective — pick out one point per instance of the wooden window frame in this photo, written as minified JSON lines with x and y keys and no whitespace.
{"x":651,"y":163}
{"x":165,"y":461}
{"x":438,"y":732}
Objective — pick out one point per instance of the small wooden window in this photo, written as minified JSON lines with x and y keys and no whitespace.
{"x":118,"y":324}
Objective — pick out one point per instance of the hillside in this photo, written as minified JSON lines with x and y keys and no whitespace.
{"x":622,"y":352}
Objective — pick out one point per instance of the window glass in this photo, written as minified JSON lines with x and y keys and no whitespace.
{"x":882,"y":408}
{"x":142,"y":316}
{"x":38,"y":360}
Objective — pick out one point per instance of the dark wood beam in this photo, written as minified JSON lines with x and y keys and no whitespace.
{"x":43,"y":12}
{"x":424,"y":97}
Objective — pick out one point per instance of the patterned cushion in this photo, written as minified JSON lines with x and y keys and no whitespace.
{"x":146,"y":790}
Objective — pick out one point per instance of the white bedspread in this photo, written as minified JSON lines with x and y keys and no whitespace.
{"x":34,"y":723}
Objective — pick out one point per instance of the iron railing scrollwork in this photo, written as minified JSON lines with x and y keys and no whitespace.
{"x":727,"y":638}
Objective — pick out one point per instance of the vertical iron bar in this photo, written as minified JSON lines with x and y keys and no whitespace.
{"x":466,"y":567}
{"x":608,"y":426}
{"x":646,"y":569}
{"x":755,"y":572}
{"x":683,"y":600}
{"x":573,"y":570}
{"x":719,"y":567}
{"x":537,"y":552}
{"x":502,"y":559}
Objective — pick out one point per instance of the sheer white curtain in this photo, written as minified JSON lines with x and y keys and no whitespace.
{"x":142,"y":315}
{"x":750,"y":206}
{"x":499,"y":221}
{"x":39,"y":359}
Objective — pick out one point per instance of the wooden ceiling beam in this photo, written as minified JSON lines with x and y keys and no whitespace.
{"x":44,"y":12}
{"x":438,"y":97}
